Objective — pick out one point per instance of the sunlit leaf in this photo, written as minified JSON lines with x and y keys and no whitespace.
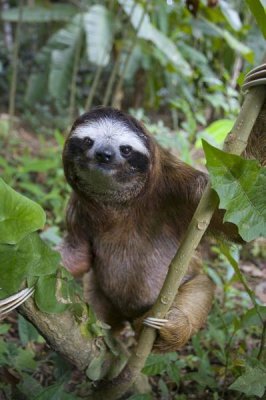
{"x":99,"y":34}
{"x":215,"y":133}
{"x":230,"y":14}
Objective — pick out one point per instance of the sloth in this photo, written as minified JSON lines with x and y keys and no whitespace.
{"x":131,"y":204}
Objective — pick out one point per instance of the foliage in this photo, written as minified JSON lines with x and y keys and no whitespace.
{"x":24,"y":256}
{"x":129,"y":38}
{"x":241,"y":186}
{"x":259,"y":13}
{"x":14,"y":208}
{"x":252,"y":382}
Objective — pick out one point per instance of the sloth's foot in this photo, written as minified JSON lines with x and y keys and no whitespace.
{"x":186,"y":316}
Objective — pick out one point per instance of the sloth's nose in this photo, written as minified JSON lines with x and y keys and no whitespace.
{"x":104,"y":155}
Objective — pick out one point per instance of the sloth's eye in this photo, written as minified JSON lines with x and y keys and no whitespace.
{"x":125,"y":150}
{"x":88,"y":142}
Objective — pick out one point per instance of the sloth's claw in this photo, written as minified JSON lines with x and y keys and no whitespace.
{"x":156,"y":323}
{"x":10,"y":303}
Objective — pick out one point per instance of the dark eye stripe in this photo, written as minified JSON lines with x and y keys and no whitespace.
{"x":125,"y":150}
{"x":138,"y":161}
{"x":88,"y":142}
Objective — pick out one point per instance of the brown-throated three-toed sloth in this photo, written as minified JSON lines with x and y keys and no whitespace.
{"x":132,"y":202}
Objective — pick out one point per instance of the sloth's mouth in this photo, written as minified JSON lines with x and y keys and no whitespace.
{"x":104,"y":168}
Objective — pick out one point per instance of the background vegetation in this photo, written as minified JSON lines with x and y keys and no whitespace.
{"x":177,"y":66}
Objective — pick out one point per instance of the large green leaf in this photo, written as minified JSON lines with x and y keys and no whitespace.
{"x":99,"y":34}
{"x":241,"y":186}
{"x":259,"y":13}
{"x":31,"y":257}
{"x":38,"y":14}
{"x":148,"y":31}
{"x":18,"y":215}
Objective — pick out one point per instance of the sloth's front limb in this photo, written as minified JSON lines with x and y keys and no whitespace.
{"x":75,"y":256}
{"x":186,"y":316}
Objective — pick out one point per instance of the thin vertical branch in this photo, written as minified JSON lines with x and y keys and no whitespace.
{"x":94,"y":87}
{"x":98,"y":73}
{"x":111,"y":80}
{"x":262,"y":342}
{"x":13,"y":85}
{"x":126,"y":64}
{"x":115,"y":69}
{"x":73,"y":85}
{"x":7,"y":30}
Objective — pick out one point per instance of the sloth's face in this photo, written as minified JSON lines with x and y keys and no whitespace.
{"x":108,"y":157}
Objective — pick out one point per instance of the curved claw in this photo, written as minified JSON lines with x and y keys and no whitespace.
{"x":10,"y":303}
{"x":255,"y":77}
{"x":155,"y":323}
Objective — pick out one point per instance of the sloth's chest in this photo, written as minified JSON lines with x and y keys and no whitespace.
{"x":131,"y":271}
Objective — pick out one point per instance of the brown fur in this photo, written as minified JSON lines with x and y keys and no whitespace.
{"x":126,"y":246}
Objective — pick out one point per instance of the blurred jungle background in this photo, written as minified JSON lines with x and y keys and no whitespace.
{"x":178,"y":66}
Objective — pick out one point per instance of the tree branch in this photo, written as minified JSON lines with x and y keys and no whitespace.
{"x":63,"y":334}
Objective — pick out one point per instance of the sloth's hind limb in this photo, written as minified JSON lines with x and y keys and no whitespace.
{"x":186,"y":316}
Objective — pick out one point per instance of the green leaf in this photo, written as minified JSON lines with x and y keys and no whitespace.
{"x":232,"y":42}
{"x":18,"y":215}
{"x":230,"y":14}
{"x":252,"y":382}
{"x":63,"y":47}
{"x":241,"y":186}
{"x":38,"y":165}
{"x":99,"y":34}
{"x":95,"y":370}
{"x":27,"y":332}
{"x":251,"y":317}
{"x":53,"y":392}
{"x":4,"y":328}
{"x":46,"y":295}
{"x":37,"y":14}
{"x":30,"y":257}
{"x":24,"y":360}
{"x":215,"y":133}
{"x":148,"y":32}
{"x":30,"y":385}
{"x":157,"y":363}
{"x":259,"y":13}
